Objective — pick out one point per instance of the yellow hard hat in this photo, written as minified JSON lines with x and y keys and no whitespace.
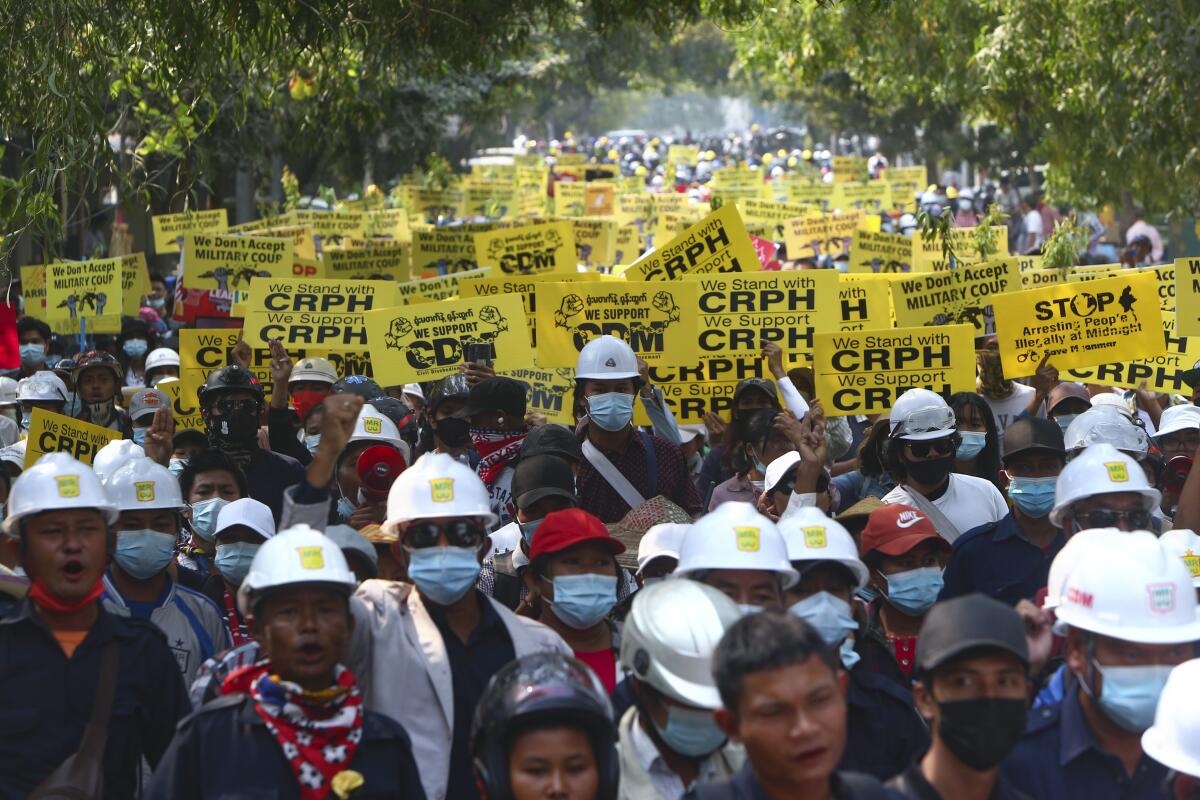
{"x":613,"y":155}
{"x":767,"y":158}
{"x":932,"y":188}
{"x":951,"y":193}
{"x":782,"y":153}
{"x":754,"y":127}
{"x":806,"y":155}
{"x":568,"y":135}
{"x":603,"y":140}
{"x":641,"y":171}
{"x":709,"y":155}
{"x":793,"y":161}
{"x":656,"y":141}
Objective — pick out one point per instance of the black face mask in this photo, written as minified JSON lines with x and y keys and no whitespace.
{"x":237,"y":424}
{"x":453,"y":431}
{"x":932,"y":472}
{"x":980,"y":733}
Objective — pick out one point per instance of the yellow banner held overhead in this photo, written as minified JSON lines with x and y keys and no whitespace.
{"x":523,"y":285}
{"x":321,"y":314}
{"x":717,"y":243}
{"x":849,"y":168}
{"x":184,"y":408}
{"x":1161,"y":373}
{"x":434,"y":206}
{"x":628,"y":245}
{"x":1187,"y":295}
{"x":529,"y":249}
{"x":382,"y":260}
{"x":135,"y":281}
{"x":331,"y":227}
{"x":169,"y":229}
{"x":83,"y":289}
{"x":428,"y":290}
{"x":864,"y":372}
{"x":230,"y":263}
{"x":441,"y":251}
{"x":301,"y":236}
{"x":428,"y":341}
{"x":548,"y":392}
{"x":823,"y":235}
{"x":55,"y":433}
{"x":569,"y":198}
{"x":594,"y":241}
{"x":655,"y":319}
{"x":388,"y":223}
{"x":864,"y":304}
{"x":1079,"y":324}
{"x":872,"y":252}
{"x":962,"y":295}
{"x":928,"y":253}
{"x":872,"y":197}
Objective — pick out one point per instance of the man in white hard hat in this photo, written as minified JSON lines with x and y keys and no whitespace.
{"x":1177,"y":437}
{"x":137,"y":583}
{"x":10,"y":407}
{"x":445,"y":637}
{"x":1104,"y":488}
{"x":62,"y":647}
{"x":162,"y":363}
{"x":1130,"y":613}
{"x":740,"y":552}
{"x":300,"y":703}
{"x":920,"y":453}
{"x":1174,"y":738}
{"x":41,"y":390}
{"x":622,"y":467}
{"x":372,"y":428}
{"x":668,"y":741}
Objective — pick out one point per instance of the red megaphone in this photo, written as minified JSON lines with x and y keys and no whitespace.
{"x":377,"y":467}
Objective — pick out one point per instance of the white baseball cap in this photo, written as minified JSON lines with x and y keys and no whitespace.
{"x":660,"y":540}
{"x":249,"y":512}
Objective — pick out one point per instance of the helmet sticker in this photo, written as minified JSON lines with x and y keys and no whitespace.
{"x":312,"y":557}
{"x":372,"y":424}
{"x":144,"y":491}
{"x":1117,"y":473}
{"x":68,"y":485}
{"x":815,"y":536}
{"x":441,"y":490}
{"x":1162,"y":597}
{"x":747,"y":539}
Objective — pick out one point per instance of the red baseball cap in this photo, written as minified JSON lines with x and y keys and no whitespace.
{"x":895,"y":529}
{"x":569,"y":527}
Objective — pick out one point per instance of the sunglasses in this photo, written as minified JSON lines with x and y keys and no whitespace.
{"x":943,"y":447}
{"x":461,"y":533}
{"x":1107,"y":518}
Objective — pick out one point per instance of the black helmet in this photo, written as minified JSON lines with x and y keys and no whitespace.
{"x":546,"y":688}
{"x":449,"y":388}
{"x":360,"y":385}
{"x":228,"y":379}
{"x":399,"y":412}
{"x":97,"y":358}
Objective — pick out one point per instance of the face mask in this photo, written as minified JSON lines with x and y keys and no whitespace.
{"x":304,"y":402}
{"x":582,"y":600}
{"x":749,"y":609}
{"x":830,"y":615}
{"x":972,"y":443}
{"x":981,"y":732}
{"x":443,"y":574}
{"x":848,"y":654}
{"x":233,"y":560}
{"x":204,"y":517}
{"x":528,"y":528}
{"x":932,"y":472}
{"x":914,"y":592}
{"x":1034,"y":496}
{"x":32,"y":355}
{"x":139,"y":436}
{"x":1064,"y":421}
{"x":452,"y":431}
{"x":145,"y":553}
{"x":176,"y":466}
{"x":694,"y":463}
{"x":233,"y":426}
{"x":156,"y":303}
{"x":311,"y":441}
{"x":101,"y":413}
{"x":135,"y":348}
{"x":690,"y":732}
{"x":611,"y":411}
{"x":345,"y":508}
{"x":1129,"y":695}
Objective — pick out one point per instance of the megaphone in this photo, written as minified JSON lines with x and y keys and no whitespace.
{"x":377,"y":468}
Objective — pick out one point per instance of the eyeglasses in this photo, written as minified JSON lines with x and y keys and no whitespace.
{"x":461,"y":533}
{"x":1108,"y":518}
{"x":943,"y":447}
{"x":1180,"y":443}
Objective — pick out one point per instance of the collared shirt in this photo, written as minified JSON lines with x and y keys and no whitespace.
{"x":666,"y":783}
{"x":598,"y":498}
{"x":912,"y":785}
{"x":1058,"y":756}
{"x":472,"y":665}
{"x":745,"y":786}
{"x":998,"y":560}
{"x":737,"y":489}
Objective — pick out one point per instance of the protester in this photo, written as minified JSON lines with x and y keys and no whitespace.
{"x":1007,"y":399}
{"x":242,"y":527}
{"x":443,"y":430}
{"x":98,"y":379}
{"x":142,"y":406}
{"x":133,"y":344}
{"x":1065,"y":402}
{"x":33,"y":343}
{"x":750,"y":395}
{"x":658,"y":552}
{"x":1171,"y":740}
{"x":209,"y":482}
{"x":756,"y":442}
{"x":298,"y":391}
{"x":358,"y":502}
{"x":978,"y":451}
{"x":496,"y":410}
{"x":1141,"y":228}
{"x":1103,"y":488}
{"x":790,"y":476}
{"x":161,"y":364}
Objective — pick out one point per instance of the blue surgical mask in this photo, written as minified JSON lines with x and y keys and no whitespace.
{"x":1064,"y":421}
{"x":848,"y":654}
{"x":234,"y":559}
{"x":1034,"y":496}
{"x":311,"y":442}
{"x":829,"y":614}
{"x":139,"y":436}
{"x":443,"y":574}
{"x":32,"y":355}
{"x":204,"y":517}
{"x":611,"y":411}
{"x":156,"y":302}
{"x":135,"y":348}
{"x":176,"y":466}
{"x":144,"y":553}
{"x":345,"y":508}
{"x":583,"y":600}
{"x":1129,"y":695}
{"x":528,"y":528}
{"x":690,"y":732}
{"x":914,"y":592}
{"x":972,"y":443}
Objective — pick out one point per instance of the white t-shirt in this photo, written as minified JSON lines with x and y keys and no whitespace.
{"x":968,"y":502}
{"x":1033,"y":226}
{"x":1007,"y":410}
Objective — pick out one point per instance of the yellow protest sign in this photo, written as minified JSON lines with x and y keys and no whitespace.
{"x":229,"y":263}
{"x":428,"y":290}
{"x":810,"y":191}
{"x":871,"y":197}
{"x":717,"y":243}
{"x":547,"y":392}
{"x":523,"y":285}
{"x":185,"y":408}
{"x":528,"y":249}
{"x":849,"y":168}
{"x":880,"y":252}
{"x":388,"y":223}
{"x":598,"y":199}
{"x":1079,"y":324}
{"x":33,"y":291}
{"x":492,"y":199}
{"x":1187,"y":295}
{"x":633,"y":209}
{"x":301,"y":236}
{"x":169,"y":229}
{"x":1161,"y":373}
{"x":928,"y":253}
{"x":864,"y":304}
{"x":628,"y":245}
{"x":331,"y":227}
{"x":378,"y":260}
{"x":83,"y":289}
{"x":55,"y":433}
{"x":963,"y":295}
{"x":655,"y":319}
{"x":917,"y":174}
{"x":864,"y":372}
{"x":434,"y":206}
{"x":686,"y":154}
{"x":441,"y":251}
{"x":135,"y":281}
{"x":322,"y":314}
{"x":569,"y":198}
{"x":595,"y":241}
{"x":821,"y":235}
{"x":426,"y":342}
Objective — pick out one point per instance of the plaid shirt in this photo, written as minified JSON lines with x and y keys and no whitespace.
{"x":597,"y":497}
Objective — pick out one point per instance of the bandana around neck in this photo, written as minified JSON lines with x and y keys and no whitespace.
{"x":495,"y":454}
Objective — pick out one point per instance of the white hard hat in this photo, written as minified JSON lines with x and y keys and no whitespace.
{"x":1078,"y":546}
{"x":314,"y":368}
{"x":249,"y":512}
{"x":669,"y":637}
{"x":1175,"y":419}
{"x":437,"y":485}
{"x":43,"y":385}
{"x":735,"y":536}
{"x":374,"y":426}
{"x":347,"y":538}
{"x":161,"y":357}
{"x":1134,"y":590}
{"x":606,"y":358}
{"x":1108,"y":425}
{"x":298,"y":555}
{"x":920,"y":414}
{"x":8,"y":391}
{"x":660,"y":540}
{"x":1185,"y":545}
{"x":140,"y":483}
{"x":1112,"y":400}
{"x":14,"y":454}
{"x":414,"y":389}
{"x":1174,"y":738}
{"x":812,"y":536}
{"x":54,"y":483}
{"x":114,"y":455}
{"x":778,"y":468}
{"x":1100,"y":469}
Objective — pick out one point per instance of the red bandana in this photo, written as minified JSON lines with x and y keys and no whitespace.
{"x":495,"y":455}
{"x":39,"y":594}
